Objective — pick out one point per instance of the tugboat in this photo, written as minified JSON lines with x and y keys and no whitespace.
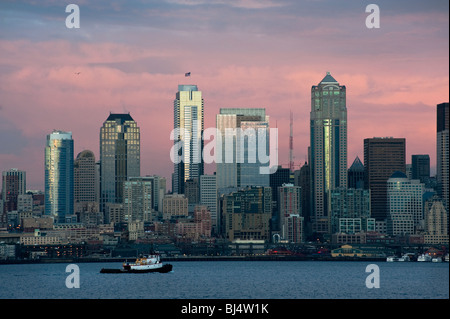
{"x":151,"y":263}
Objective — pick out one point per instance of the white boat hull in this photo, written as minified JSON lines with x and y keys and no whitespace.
{"x":424,"y":258}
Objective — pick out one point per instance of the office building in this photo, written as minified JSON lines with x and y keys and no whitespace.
{"x":420,"y":167}
{"x":277,"y":179}
{"x":356,"y":174}
{"x":25,"y":203}
{"x":289,"y":203}
{"x":208,"y":198}
{"x":119,"y":156}
{"x":138,"y":202}
{"x":59,"y":180}
{"x":13,"y":184}
{"x":442,"y":153}
{"x":84,"y":170}
{"x":192,"y":191}
{"x":405,"y":204}
{"x":350,"y":211}
{"x":158,"y":191}
{"x":294,"y":229}
{"x":188,"y":142}
{"x":302,"y":179}
{"x":114,"y":213}
{"x":175,"y":206}
{"x":382,"y":157}
{"x":239,"y":164}
{"x":247,"y":213}
{"x":328,"y":157}
{"x":436,"y":222}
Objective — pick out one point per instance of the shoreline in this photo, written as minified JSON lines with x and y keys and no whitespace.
{"x":192,"y":258}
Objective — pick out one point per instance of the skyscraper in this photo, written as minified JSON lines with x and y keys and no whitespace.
{"x":277,"y":179}
{"x":119,"y":156}
{"x":382,"y":157}
{"x":302,"y":179}
{"x":442,"y":153}
{"x":356,"y":174}
{"x":405,"y":204}
{"x":239,"y":165}
{"x":138,"y":201}
{"x":289,"y":203}
{"x":420,"y":167}
{"x":188,"y":125}
{"x":85,"y":189}
{"x":328,"y":162}
{"x":208,"y":198}
{"x":158,"y":191}
{"x":59,"y":181}
{"x":13,"y":184}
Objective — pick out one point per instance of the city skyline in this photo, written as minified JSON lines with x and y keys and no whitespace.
{"x":264,"y":54}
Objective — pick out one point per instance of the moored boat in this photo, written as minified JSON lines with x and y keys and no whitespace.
{"x":395,"y":258}
{"x":436,"y":260}
{"x":424,"y":257}
{"x":151,"y":263}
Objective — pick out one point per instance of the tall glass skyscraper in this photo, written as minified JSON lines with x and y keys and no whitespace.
{"x":120,"y":156}
{"x":188,"y":120}
{"x":59,"y":178}
{"x":442,"y":162}
{"x":239,"y":164}
{"x":328,"y":162}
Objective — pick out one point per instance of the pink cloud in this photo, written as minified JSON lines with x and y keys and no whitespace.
{"x":41,"y":92}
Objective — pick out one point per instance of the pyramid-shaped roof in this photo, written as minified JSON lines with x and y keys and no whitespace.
{"x":328,"y":79}
{"x":357,"y":165}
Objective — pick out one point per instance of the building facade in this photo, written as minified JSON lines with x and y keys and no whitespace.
{"x":294,"y":229}
{"x":328,"y":142}
{"x":188,"y":132}
{"x":175,"y":205}
{"x":289,"y":203}
{"x":442,"y":153}
{"x":436,"y":222}
{"x":59,"y":179}
{"x":119,"y":156}
{"x":382,"y":157}
{"x":14,"y":183}
{"x":208,"y":198}
{"x":420,"y":167}
{"x":247,"y":213}
{"x":405,"y":203}
{"x":356,"y":174}
{"x":84,"y":169}
{"x":238,"y":164}
{"x":138,"y":201}
{"x":350,"y":211}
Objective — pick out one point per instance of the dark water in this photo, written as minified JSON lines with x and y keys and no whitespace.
{"x":230,"y":280}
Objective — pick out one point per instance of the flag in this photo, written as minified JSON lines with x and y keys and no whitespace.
{"x":187,"y":74}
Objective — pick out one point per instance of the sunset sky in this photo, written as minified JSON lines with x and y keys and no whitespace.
{"x":132,"y":55}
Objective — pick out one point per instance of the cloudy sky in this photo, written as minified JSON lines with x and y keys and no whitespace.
{"x":132,"y":55}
